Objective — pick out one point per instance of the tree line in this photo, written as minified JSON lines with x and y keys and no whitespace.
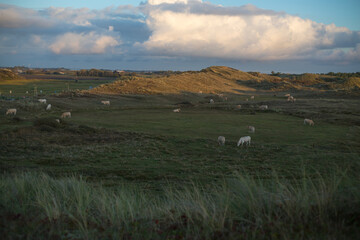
{"x":99,"y":73}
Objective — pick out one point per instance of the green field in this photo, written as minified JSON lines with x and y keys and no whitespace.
{"x":48,"y":86}
{"x":140,"y":143}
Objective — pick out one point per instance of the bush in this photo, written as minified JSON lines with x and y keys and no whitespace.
{"x":81,"y":129}
{"x":47,"y":122}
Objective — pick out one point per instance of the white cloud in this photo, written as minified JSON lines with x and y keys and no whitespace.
{"x":79,"y":16}
{"x":354,"y":53}
{"x":157,"y":2}
{"x":36,"y":39}
{"x":240,"y":33}
{"x":15,"y":17}
{"x":111,"y":28}
{"x":83,"y":43}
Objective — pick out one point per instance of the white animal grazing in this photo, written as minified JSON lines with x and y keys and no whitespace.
{"x":291,"y":99}
{"x":42,"y":100}
{"x":11,"y":111}
{"x":57,"y":120}
{"x":221,"y":140}
{"x":252,"y":97}
{"x":251,"y":129}
{"x":211,"y":101}
{"x":105,"y":102}
{"x":176,"y":110}
{"x":263,"y":107}
{"x":243,"y":140}
{"x":309,"y":122}
{"x":66,"y":114}
{"x":48,"y":107}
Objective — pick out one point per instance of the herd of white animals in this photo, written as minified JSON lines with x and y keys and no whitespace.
{"x":247,"y":139}
{"x":221,"y":139}
{"x":13,"y":111}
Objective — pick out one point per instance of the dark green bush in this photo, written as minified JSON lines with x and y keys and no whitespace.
{"x":50,"y":122}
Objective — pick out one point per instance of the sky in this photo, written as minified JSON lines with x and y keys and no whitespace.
{"x":256,"y":35}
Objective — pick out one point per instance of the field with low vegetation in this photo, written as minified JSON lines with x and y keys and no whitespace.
{"x":135,"y":169}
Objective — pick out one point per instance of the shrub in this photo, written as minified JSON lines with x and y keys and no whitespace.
{"x":49,"y":122}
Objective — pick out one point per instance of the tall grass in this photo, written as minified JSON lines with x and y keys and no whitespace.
{"x":322,"y":207}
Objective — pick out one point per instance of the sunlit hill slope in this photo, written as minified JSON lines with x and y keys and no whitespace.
{"x":209,"y":80}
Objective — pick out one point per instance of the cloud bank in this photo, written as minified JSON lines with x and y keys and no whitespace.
{"x":206,"y":30}
{"x":185,"y":29}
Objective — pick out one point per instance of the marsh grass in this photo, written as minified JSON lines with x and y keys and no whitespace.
{"x":151,"y":174}
{"x":239,"y":207}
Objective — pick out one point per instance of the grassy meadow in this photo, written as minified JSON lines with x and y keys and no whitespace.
{"x":137,"y":170}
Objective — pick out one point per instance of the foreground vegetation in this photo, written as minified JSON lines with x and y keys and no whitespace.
{"x":37,"y":206}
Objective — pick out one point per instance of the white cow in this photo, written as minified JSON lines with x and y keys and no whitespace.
{"x":48,"y":108}
{"x":221,"y":140}
{"x":263,"y":107}
{"x":57,"y":120}
{"x":105,"y":102}
{"x":243,"y":140}
{"x":211,"y":101}
{"x":177,"y":110}
{"x":251,"y":129}
{"x":252,"y":97}
{"x":66,"y":114}
{"x":42,"y":100}
{"x":11,"y":111}
{"x":309,"y":122}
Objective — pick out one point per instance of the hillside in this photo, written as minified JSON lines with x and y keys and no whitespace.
{"x":352,"y":83}
{"x":220,"y":79}
{"x":210,"y":80}
{"x":6,"y":74}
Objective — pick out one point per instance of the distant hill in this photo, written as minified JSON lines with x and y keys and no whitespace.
{"x":216,"y":79}
{"x":6,"y":74}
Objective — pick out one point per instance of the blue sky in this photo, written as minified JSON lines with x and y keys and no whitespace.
{"x":279,"y":35}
